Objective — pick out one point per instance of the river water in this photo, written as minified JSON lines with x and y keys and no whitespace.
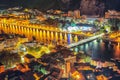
{"x":99,"y":50}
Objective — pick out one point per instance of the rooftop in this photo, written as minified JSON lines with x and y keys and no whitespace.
{"x":29,"y":56}
{"x":1,"y":64}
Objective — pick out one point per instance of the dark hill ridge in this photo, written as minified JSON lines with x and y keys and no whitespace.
{"x":39,"y":4}
{"x":86,"y":6}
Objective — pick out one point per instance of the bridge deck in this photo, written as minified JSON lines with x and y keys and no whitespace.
{"x":84,"y":41}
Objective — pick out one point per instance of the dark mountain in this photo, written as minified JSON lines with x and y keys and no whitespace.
{"x":39,"y":4}
{"x":84,"y":5}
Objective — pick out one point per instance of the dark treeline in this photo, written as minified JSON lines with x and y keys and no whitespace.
{"x":55,"y":4}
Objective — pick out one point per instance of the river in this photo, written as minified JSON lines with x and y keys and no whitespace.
{"x":99,"y":50}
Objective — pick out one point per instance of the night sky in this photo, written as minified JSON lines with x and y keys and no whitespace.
{"x":55,"y":4}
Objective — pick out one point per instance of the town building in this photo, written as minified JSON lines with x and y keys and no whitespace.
{"x":28,"y":58}
{"x":2,"y":68}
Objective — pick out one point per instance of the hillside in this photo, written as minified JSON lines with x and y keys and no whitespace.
{"x":86,"y":6}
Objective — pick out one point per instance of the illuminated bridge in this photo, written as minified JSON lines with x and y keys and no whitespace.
{"x":44,"y":33}
{"x":85,"y":40}
{"x":41,"y":33}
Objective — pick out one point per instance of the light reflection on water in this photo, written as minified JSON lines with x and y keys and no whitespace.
{"x":117,"y":51}
{"x":98,"y":50}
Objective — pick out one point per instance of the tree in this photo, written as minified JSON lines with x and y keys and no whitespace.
{"x":115,"y":23}
{"x":9,"y":59}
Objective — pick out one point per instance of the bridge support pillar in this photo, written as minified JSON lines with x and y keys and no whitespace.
{"x":65,"y":38}
{"x":69,"y":38}
{"x":61,"y":38}
{"x":76,"y":38}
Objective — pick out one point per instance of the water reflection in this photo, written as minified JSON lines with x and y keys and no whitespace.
{"x":117,"y":51}
{"x":99,"y":50}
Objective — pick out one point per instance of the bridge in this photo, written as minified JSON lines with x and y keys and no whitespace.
{"x":42,"y":33}
{"x":85,"y":40}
